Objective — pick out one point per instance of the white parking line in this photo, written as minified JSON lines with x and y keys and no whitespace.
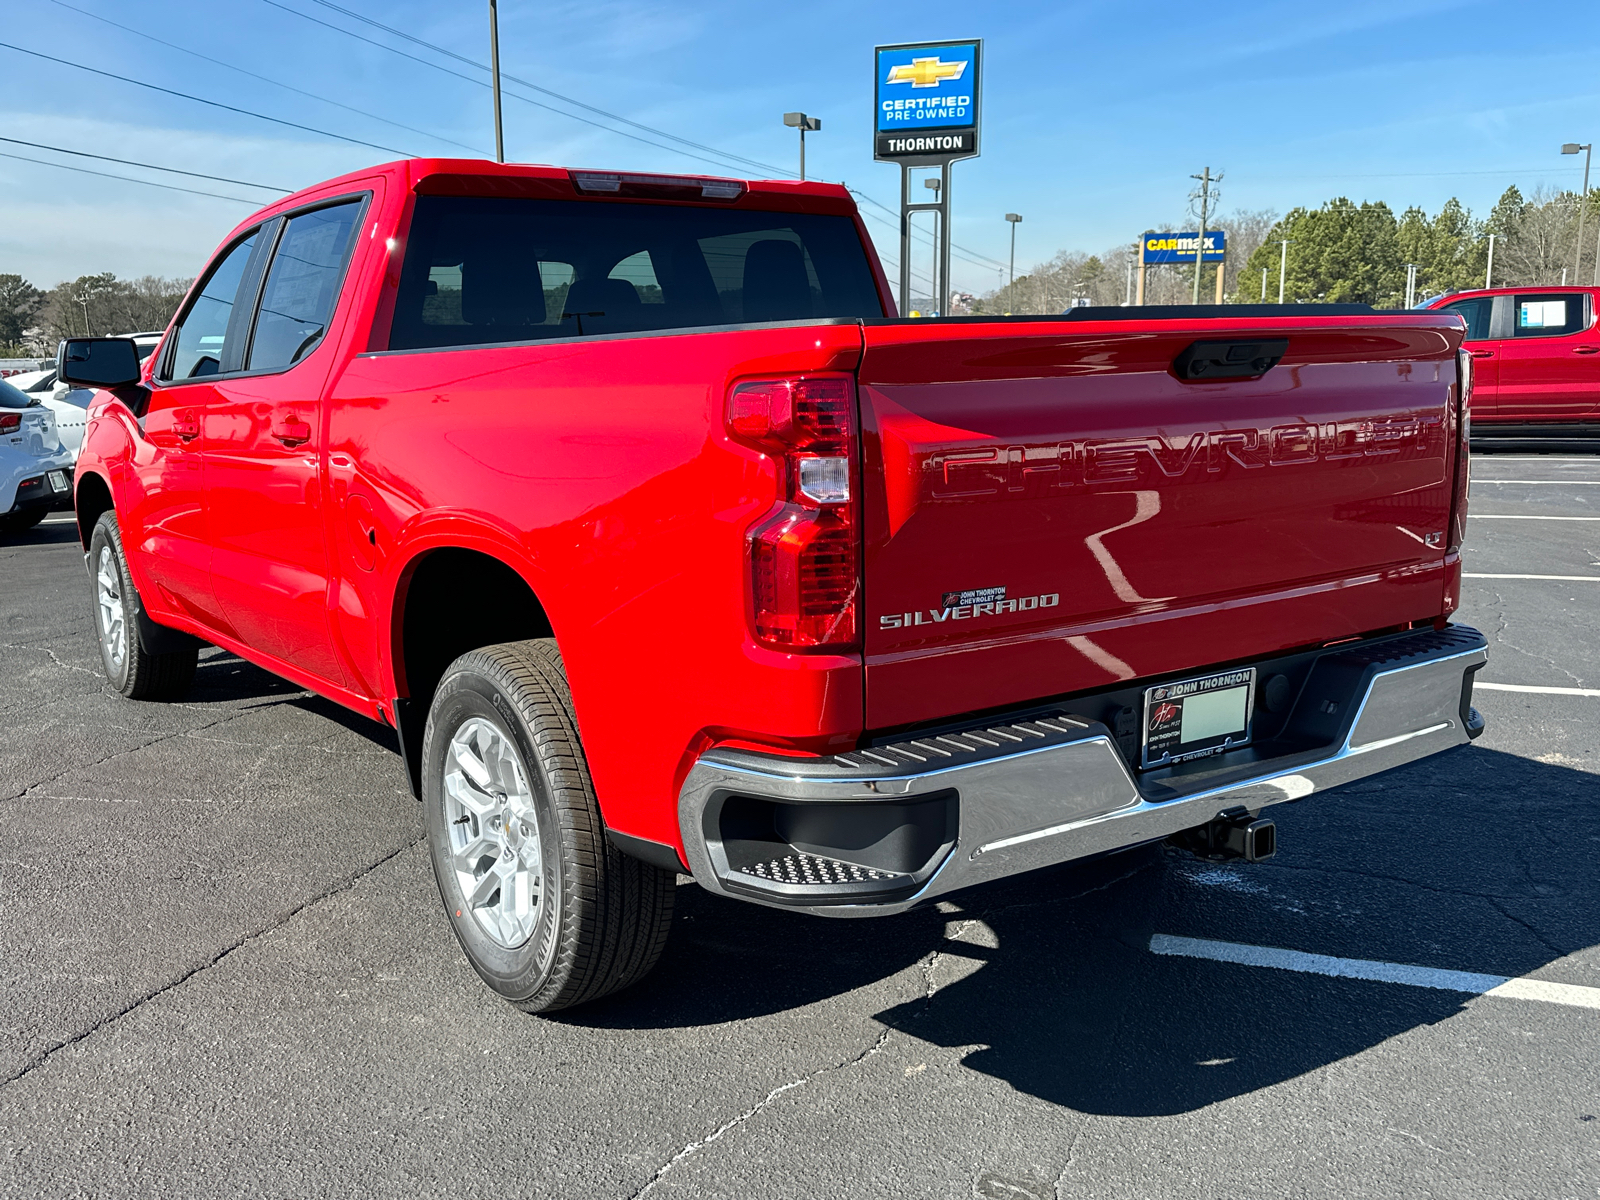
{"x":1557,"y":578}
{"x":1505,"y":986}
{"x":1543,"y":691}
{"x":1552,"y":482}
{"x":1504,"y":517}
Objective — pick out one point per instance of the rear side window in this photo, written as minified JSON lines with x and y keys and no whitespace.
{"x":486,"y":270}
{"x":11,"y":397}
{"x":1476,"y":313}
{"x":1548,"y":316}
{"x":302,"y":285}
{"x":201,"y":338}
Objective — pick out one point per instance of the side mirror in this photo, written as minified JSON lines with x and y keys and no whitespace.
{"x":98,"y":362}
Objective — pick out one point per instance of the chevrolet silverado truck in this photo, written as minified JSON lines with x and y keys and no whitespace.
{"x":1536,"y":383}
{"x":664,"y":546}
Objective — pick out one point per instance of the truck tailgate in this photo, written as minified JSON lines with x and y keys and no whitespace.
{"x":1050,"y":509}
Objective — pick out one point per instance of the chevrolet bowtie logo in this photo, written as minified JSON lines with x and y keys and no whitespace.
{"x":926,"y":72}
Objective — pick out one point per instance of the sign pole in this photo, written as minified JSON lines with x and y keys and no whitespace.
{"x":944,"y":238}
{"x":1220,"y":267}
{"x":905,"y":239}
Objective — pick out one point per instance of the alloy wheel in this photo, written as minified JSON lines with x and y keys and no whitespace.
{"x":495,"y":849}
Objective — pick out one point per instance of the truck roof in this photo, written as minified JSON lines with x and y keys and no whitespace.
{"x":471,"y":176}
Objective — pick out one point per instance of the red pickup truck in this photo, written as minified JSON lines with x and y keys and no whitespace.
{"x":665,"y":546}
{"x":1537,"y":372}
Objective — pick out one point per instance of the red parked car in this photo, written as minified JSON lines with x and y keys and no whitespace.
{"x":666,"y":547}
{"x":1537,"y":365}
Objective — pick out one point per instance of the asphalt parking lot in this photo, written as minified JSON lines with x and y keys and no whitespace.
{"x":225,"y":972}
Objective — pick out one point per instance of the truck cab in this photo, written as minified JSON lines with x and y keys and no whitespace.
{"x":1536,"y":355}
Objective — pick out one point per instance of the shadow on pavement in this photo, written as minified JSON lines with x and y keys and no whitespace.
{"x":1477,"y":861}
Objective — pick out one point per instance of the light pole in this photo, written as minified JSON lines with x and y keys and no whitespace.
{"x":1583,"y":203}
{"x":494,"y":66}
{"x":1264,"y":271}
{"x":1012,"y":219}
{"x":1488,"y":271}
{"x":1283,"y":267}
{"x":1411,"y":283}
{"x":803,"y":123}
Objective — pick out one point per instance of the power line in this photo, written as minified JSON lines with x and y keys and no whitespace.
{"x":202,"y":100}
{"x":355,"y":16}
{"x":253,"y":75}
{"x":485,"y":84}
{"x":128,"y":162}
{"x":127,"y":178}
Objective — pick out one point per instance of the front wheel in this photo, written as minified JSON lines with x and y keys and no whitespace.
{"x":132,"y":670}
{"x":548,"y":912}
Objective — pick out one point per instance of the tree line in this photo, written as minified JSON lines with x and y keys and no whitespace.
{"x":33,"y":320}
{"x":1342,"y":252}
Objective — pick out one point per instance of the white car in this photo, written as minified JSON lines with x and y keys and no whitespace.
{"x":35,"y":468}
{"x":71,"y":404}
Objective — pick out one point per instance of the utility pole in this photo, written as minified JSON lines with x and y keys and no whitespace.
{"x":1488,"y":272}
{"x":1583,"y":206}
{"x":494,"y":67}
{"x":1013,"y":219}
{"x":803,"y":123}
{"x":1127,"y":296}
{"x":1206,"y":180}
{"x":1283,"y":268}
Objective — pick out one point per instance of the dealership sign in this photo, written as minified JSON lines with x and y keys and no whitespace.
{"x":926,"y":97}
{"x":1179,"y":247}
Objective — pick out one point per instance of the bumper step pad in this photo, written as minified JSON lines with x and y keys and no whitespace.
{"x":801,"y":869}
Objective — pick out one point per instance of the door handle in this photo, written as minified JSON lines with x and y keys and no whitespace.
{"x":291,"y":430}
{"x":1586,"y":349}
{"x":186,"y":423}
{"x":1482,"y":353}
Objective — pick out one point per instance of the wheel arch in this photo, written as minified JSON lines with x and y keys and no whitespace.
{"x":449,"y":599}
{"x":91,"y":498}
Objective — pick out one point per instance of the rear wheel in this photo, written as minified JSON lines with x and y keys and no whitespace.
{"x":133,"y":671}
{"x":548,"y":912}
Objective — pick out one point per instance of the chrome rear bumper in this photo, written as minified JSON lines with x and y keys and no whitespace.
{"x":1051,"y":787}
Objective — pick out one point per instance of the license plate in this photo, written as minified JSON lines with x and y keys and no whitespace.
{"x":58,"y":481}
{"x":1195,"y":718}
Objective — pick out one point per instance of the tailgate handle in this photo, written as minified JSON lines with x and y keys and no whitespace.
{"x":1229,"y":360}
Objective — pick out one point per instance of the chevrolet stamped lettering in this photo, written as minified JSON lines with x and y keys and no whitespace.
{"x":953,"y":474}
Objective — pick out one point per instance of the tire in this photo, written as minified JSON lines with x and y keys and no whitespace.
{"x":21,"y":522}
{"x":132,"y":670}
{"x":548,"y":912}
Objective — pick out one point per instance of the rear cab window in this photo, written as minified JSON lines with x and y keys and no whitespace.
{"x":486,"y":270}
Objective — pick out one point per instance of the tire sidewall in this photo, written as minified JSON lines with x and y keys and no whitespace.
{"x":519,"y":973}
{"x":104,"y":538}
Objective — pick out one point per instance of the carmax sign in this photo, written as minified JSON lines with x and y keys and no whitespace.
{"x":1179,"y":247}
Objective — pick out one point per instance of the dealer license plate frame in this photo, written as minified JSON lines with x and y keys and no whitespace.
{"x":1157,"y":746}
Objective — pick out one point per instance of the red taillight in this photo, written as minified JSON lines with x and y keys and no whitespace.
{"x":1463,"y":474}
{"x":10,"y":422}
{"x":805,"y":557}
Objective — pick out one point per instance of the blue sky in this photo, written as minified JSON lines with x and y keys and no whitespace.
{"x":1095,"y":113}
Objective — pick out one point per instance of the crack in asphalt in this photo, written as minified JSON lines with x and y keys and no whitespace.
{"x":343,"y":885}
{"x":930,"y":988}
{"x":54,"y":657}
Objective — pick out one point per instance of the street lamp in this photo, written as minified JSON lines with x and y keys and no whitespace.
{"x":803,"y":123}
{"x":1583,"y":203}
{"x":1013,"y":218}
{"x":1283,"y":267}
